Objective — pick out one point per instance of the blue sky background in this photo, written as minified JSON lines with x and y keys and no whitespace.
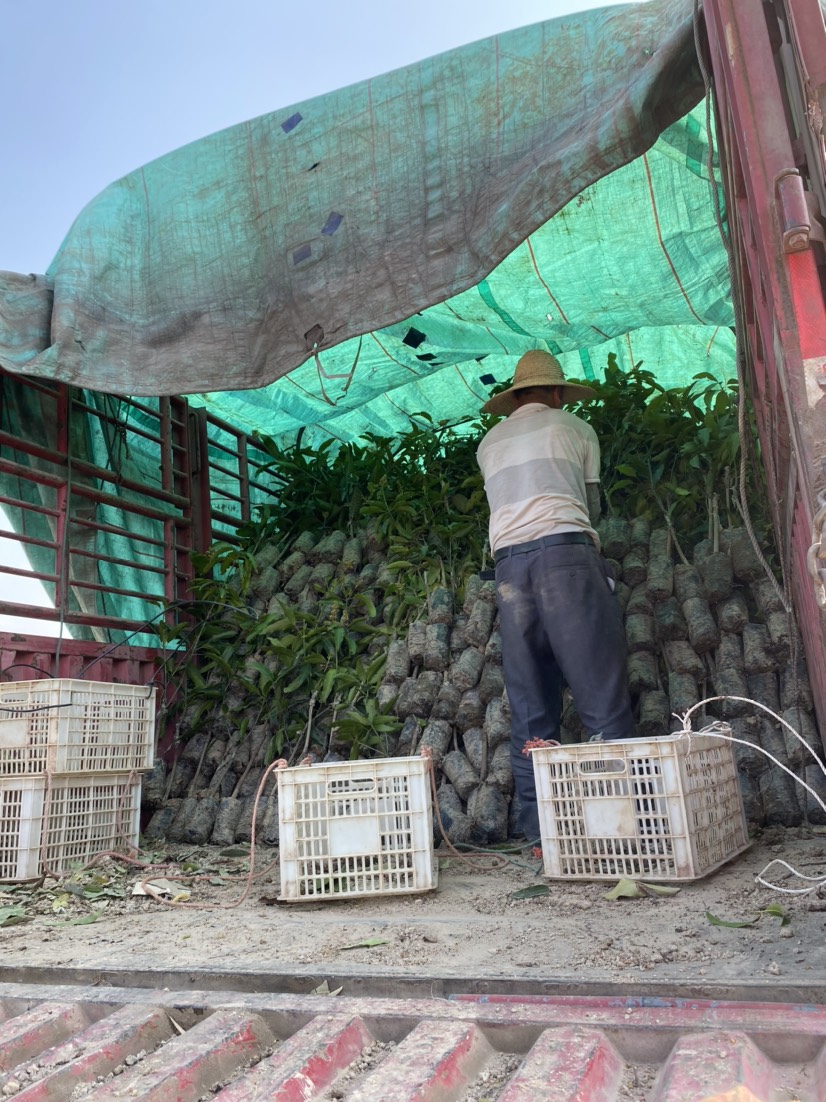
{"x":96,"y":88}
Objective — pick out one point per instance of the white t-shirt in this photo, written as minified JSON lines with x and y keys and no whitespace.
{"x":535,"y":465}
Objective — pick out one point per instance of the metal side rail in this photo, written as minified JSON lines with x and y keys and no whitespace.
{"x":71,"y":1042}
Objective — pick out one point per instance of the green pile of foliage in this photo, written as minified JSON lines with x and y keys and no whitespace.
{"x":303,"y":673}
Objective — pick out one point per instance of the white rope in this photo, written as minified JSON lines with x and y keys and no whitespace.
{"x":721,"y":730}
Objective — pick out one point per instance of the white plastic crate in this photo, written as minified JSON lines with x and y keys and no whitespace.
{"x":64,"y":827}
{"x":69,"y":726}
{"x":356,"y":828}
{"x":652,"y":809}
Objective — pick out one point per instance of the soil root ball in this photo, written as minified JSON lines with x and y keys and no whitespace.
{"x":733,"y":613}
{"x":669,"y":622}
{"x":447,"y":702}
{"x":424,"y":696}
{"x":730,"y":652}
{"x":642,"y":672}
{"x":615,"y":537}
{"x":681,"y":657}
{"x":243,"y":828}
{"x":467,"y":669}
{"x":497,"y":726}
{"x":488,"y":809}
{"x":438,"y":736}
{"x":417,"y":641}
{"x":226,"y":820}
{"x":640,"y":632}
{"x":491,"y":683}
{"x":744,"y":559}
{"x":795,"y":690}
{"x":660,"y":582}
{"x":471,"y":711}
{"x":154,"y":786}
{"x":634,"y":569}
{"x":476,"y":749}
{"x":687,"y":583}
{"x":460,"y":773}
{"x":747,"y":730}
{"x":802,"y":722}
{"x":703,"y":633}
{"x":716,"y":572}
{"x":654,"y":714}
{"x":397,"y":666}
{"x":500,"y":772}
{"x":437,"y":647}
{"x":157,"y":828}
{"x":683,"y":692}
{"x":480,"y":623}
{"x":440,"y":606}
{"x":459,"y":828}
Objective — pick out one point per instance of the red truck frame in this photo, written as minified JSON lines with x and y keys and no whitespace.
{"x":767,"y":65}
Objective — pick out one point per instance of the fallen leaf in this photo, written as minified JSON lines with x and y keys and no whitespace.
{"x":715,"y":921}
{"x":84,"y":920}
{"x":162,"y":886}
{"x":13,"y":916}
{"x":368,"y":943}
{"x":324,"y":989}
{"x":625,"y":889}
{"x":658,"y":889}
{"x":61,"y":902}
{"x":774,"y":910}
{"x":531,"y":892}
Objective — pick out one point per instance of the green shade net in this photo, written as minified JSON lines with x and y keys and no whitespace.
{"x":634,"y":265}
{"x":340,"y":266}
{"x":224,"y":264}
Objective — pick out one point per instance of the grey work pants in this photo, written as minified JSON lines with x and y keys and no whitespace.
{"x":559,"y":620}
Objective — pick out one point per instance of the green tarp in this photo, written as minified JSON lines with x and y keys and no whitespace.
{"x":414,"y":209}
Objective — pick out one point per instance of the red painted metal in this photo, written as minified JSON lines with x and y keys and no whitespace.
{"x":728,"y":1066}
{"x":305,"y":1065}
{"x":573,"y":1063}
{"x":565,"y":1049}
{"x":96,"y":1051}
{"x":192,"y":1064}
{"x":23,"y":1038}
{"x":781,"y":292}
{"x":437,"y":1060}
{"x":28,"y":657}
{"x":65,"y":490}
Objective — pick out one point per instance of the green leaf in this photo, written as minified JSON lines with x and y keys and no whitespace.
{"x":84,"y":920}
{"x":658,"y":889}
{"x":774,"y":910}
{"x":715,"y":921}
{"x":13,"y":916}
{"x":625,"y":889}
{"x":368,"y":943}
{"x":531,"y":892}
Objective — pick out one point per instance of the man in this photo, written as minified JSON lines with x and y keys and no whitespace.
{"x":558,"y":616}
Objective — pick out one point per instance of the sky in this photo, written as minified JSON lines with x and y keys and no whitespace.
{"x":97,"y":88}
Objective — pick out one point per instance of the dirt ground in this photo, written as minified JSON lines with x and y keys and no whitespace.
{"x":470,"y":926}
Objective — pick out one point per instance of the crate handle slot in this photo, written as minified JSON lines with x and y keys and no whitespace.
{"x":602,"y":765}
{"x":351,"y":786}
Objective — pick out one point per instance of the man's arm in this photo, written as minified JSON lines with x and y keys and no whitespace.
{"x":593,"y":501}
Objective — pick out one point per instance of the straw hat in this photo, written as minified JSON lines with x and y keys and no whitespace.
{"x":535,"y":368}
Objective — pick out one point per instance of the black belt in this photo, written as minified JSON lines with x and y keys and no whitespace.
{"x":544,"y":541}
